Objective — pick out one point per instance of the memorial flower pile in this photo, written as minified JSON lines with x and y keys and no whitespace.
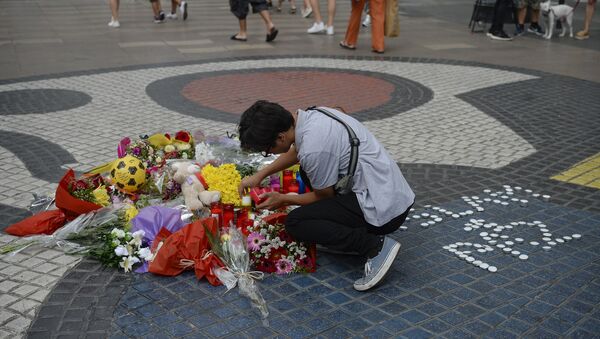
{"x":92,"y":189}
{"x":225,"y":179}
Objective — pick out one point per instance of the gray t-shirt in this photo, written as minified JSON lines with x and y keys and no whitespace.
{"x":323,"y":150}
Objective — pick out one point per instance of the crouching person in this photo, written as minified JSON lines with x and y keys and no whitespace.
{"x":358,"y":196}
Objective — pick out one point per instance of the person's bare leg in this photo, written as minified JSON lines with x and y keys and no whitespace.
{"x":315,"y":7}
{"x":174,"y":5}
{"x":331,"y":12}
{"x":156,"y":7}
{"x":521,"y":15}
{"x":242,"y":34}
{"x":535,"y":16}
{"x":114,"y":9}
{"x":267,"y":19}
{"x":589,"y":13}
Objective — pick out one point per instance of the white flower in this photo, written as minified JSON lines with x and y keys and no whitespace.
{"x":169,"y":148}
{"x":138,"y":234}
{"x":145,"y":254}
{"x":119,"y":233}
{"x":121,"y":251}
{"x":184,"y":156}
{"x":116,"y":242}
{"x":128,"y":263}
{"x":135,"y":242}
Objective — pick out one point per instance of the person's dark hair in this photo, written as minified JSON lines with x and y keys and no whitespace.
{"x":261,"y":123}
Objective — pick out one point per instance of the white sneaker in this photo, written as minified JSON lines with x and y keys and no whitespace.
{"x":316,"y":28}
{"x":172,"y":16}
{"x":114,"y":24}
{"x":306,"y":12}
{"x":329,"y":30}
{"x":183,"y":10}
{"x":367,"y":21}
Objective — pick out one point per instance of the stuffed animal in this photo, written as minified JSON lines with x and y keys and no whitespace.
{"x":193,"y":187}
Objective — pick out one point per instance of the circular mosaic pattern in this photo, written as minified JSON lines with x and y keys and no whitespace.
{"x":31,"y":101}
{"x":229,"y":93}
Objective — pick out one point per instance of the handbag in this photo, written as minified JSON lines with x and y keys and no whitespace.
{"x":391,"y":20}
{"x":345,"y":184}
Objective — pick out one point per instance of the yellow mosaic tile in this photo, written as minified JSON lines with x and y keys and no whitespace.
{"x":585,"y":173}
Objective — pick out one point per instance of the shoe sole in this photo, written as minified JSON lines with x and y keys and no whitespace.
{"x":389,"y":260}
{"x":582,"y":37}
{"x":185,"y":12}
{"x":493,"y":37}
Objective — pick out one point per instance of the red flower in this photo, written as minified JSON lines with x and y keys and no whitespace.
{"x":183,"y":136}
{"x":276,"y":254}
{"x":97,"y":181}
{"x":80,"y":185}
{"x":168,"y":136}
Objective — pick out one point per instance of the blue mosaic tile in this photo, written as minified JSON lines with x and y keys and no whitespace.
{"x":396,"y":325}
{"x":178,"y":329}
{"x":489,"y":302}
{"x":528,"y":316}
{"x":356,"y":307}
{"x":286,"y":289}
{"x":139,"y":328}
{"x":520,"y":301}
{"x":125,"y":320}
{"x":338,"y":298}
{"x":591,"y":325}
{"x":567,"y":315}
{"x":320,"y":324}
{"x":514,"y":326}
{"x":507,"y":310}
{"x":299,"y":332}
{"x":299,"y":315}
{"x":582,"y":334}
{"x":336,"y":333}
{"x":392,"y":308}
{"x":465,"y":293}
{"x":453,"y":318}
{"x":202,"y":320}
{"x":390,"y":292}
{"x":150,"y":310}
{"x":477,"y":327}
{"x":449,"y":300}
{"x":304,"y":281}
{"x":417,"y":333}
{"x":337,"y":316}
{"x":579,"y":307}
{"x":500,"y":334}
{"x":165,"y":319}
{"x":460,"y":278}
{"x":374,"y":299}
{"x":219,"y":329}
{"x":375,"y":332}
{"x":281,"y":305}
{"x":436,"y":326}
{"x":540,"y":333}
{"x":492,"y":318}
{"x":413,"y":316}
{"x":431,"y":308}
{"x":556,"y":325}
{"x":410,"y":300}
{"x":375,"y":316}
{"x":356,"y":324}
{"x":259,"y":332}
{"x":458,"y":334}
{"x":135,"y":302}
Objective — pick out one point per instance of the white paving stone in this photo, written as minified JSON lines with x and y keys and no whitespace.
{"x":18,"y":324}
{"x":40,"y":295}
{"x":7,"y":285}
{"x":45,"y":267}
{"x":24,"y":305}
{"x":25,"y":290}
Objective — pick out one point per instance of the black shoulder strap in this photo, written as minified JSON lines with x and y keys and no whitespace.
{"x":354,"y":141}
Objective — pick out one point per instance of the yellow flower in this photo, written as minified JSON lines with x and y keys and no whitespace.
{"x":225,"y":237}
{"x":101,"y":196}
{"x":225,"y":179}
{"x":130,"y":212}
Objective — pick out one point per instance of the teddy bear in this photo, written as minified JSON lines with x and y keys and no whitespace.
{"x":193,"y":187}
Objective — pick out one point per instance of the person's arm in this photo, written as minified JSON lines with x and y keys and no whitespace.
{"x":275,"y":200}
{"x":284,"y":161}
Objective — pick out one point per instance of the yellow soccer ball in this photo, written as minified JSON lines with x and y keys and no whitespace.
{"x":128,"y":173}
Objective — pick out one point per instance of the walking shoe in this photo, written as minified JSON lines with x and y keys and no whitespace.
{"x":160,"y":18}
{"x":519,"y":30}
{"x":316,"y":28}
{"x":501,"y":35}
{"x":582,"y":35}
{"x":535,"y":28}
{"x":114,"y":24}
{"x":367,"y":21}
{"x":306,"y":12}
{"x":183,"y":10}
{"x":330,"y":30}
{"x":377,"y":267}
{"x":172,"y":16}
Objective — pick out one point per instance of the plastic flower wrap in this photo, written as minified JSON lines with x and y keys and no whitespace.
{"x":225,"y":179}
{"x":230,"y":247}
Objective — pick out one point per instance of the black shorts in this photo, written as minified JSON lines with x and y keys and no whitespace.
{"x":239,"y":8}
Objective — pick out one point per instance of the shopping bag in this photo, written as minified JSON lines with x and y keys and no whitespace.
{"x":391,"y":21}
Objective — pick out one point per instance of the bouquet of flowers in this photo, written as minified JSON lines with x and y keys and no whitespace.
{"x":123,"y":249}
{"x":229,"y":245}
{"x":225,"y":179}
{"x":91,"y":188}
{"x":273,"y":250}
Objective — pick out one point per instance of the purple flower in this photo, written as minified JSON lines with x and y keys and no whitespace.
{"x":255,"y":240}
{"x":137,"y":151}
{"x":284,"y":266}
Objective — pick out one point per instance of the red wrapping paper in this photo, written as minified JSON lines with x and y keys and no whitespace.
{"x":46,"y":222}
{"x":191,"y":245}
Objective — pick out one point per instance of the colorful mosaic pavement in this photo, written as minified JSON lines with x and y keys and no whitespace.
{"x":503,"y":242}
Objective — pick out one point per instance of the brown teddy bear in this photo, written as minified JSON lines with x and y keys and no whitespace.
{"x":193,"y":187}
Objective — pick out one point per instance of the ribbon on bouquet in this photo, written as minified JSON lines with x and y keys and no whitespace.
{"x":230,"y":279}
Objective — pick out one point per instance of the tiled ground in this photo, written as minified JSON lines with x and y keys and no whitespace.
{"x":455,"y":123}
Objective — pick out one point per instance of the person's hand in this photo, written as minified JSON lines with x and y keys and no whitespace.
{"x":273,"y":200}
{"x":249,"y":182}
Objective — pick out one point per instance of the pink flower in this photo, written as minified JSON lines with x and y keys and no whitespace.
{"x":255,"y":240}
{"x":284,"y":266}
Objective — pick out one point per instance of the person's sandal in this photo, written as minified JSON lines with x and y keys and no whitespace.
{"x":344,"y":45}
{"x":376,"y":51}
{"x":272,"y":34}
{"x":582,"y":35}
{"x":293,"y":10}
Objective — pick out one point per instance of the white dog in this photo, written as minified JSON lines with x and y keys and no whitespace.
{"x":558,"y":12}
